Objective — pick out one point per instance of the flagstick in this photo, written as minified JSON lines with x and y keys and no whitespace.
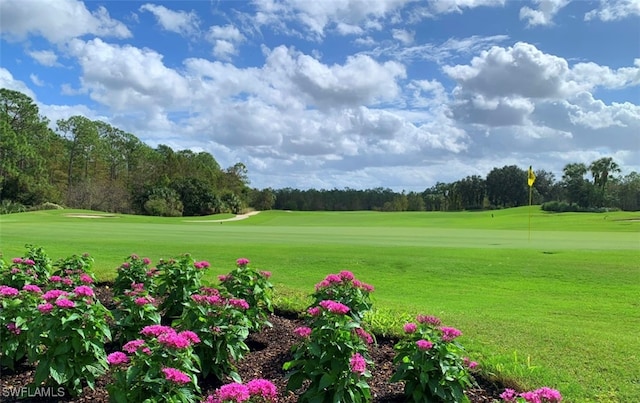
{"x":530,"y":189}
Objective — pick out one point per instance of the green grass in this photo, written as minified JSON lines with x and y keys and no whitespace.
{"x":558,"y":305}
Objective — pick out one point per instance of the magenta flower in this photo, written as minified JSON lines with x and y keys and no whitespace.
{"x":126,"y":265}
{"x":86,"y":279}
{"x":469,"y":364}
{"x":551,"y":395}
{"x":450,"y":333}
{"x":29,"y":262}
{"x":364,"y":335}
{"x":424,"y":345}
{"x":347,"y":275}
{"x":410,"y":328}
{"x":322,"y":284}
{"x":189,"y":335}
{"x":176,"y":376}
{"x":146,"y":260}
{"x":242,"y":261}
{"x":15,"y":270}
{"x":156,"y":330}
{"x":358,"y":364}
{"x":67,"y":281}
{"x":45,"y":308}
{"x":333,"y":278}
{"x":431,"y":320}
{"x":509,"y":395}
{"x":32,"y":288}
{"x":83,"y":290}
{"x":201,"y":265}
{"x":314,"y":311}
{"x":174,"y":340}
{"x":13,"y":328}
{"x":334,"y":307}
{"x":367,"y":287}
{"x":223,"y":277}
{"x":302,"y":331}
{"x":7,"y":291}
{"x":16,"y":260}
{"x":238,"y":303}
{"x":263,"y":388}
{"x":531,"y":397}
{"x":144,"y":300}
{"x":133,"y":346}
{"x":55,"y":279}
{"x":53,"y":294}
{"x":65,"y":303}
{"x":236,"y":392}
{"x":265,"y":274}
{"x":117,"y":358}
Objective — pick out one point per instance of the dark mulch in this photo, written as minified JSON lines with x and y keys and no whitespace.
{"x":269,"y":351}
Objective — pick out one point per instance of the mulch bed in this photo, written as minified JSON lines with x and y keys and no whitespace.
{"x":270,"y":349}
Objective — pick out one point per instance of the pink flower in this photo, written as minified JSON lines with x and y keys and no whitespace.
{"x":238,"y":303}
{"x":134,"y":256}
{"x":509,"y":395}
{"x":29,"y":262}
{"x":223,"y":277}
{"x":65,"y":303}
{"x":144,"y":300}
{"x":333,"y":278}
{"x":314,"y":311}
{"x":67,"y":281}
{"x":410,"y":328}
{"x":201,"y":265}
{"x":55,"y":279}
{"x":263,"y":388}
{"x":156,"y":330}
{"x":265,"y":274}
{"x":322,"y":284}
{"x":176,"y":376}
{"x":146,"y":260}
{"x":189,"y":335}
{"x":45,"y":308}
{"x":367,"y":287}
{"x":364,"y":335}
{"x":15,"y":270}
{"x":470,"y":364}
{"x":431,"y":320}
{"x":302,"y":331}
{"x":347,"y":275}
{"x":531,"y":397}
{"x":551,"y":395}
{"x":32,"y":288}
{"x":117,"y":358}
{"x":53,"y":294}
{"x":242,"y":261}
{"x":174,"y":340}
{"x":85,"y":278}
{"x":133,"y":346}
{"x":334,"y":307}
{"x":126,"y":265}
{"x":449,"y":333}
{"x":16,"y":260}
{"x":236,"y":392}
{"x":6,"y":291}
{"x":424,"y":345}
{"x":83,"y":290}
{"x":358,"y":364}
{"x":13,"y":328}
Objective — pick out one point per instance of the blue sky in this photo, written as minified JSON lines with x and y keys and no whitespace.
{"x":342,"y":93}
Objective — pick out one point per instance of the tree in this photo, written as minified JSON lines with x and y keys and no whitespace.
{"x":578,"y":189}
{"x":507,"y":186}
{"x":601,"y":170}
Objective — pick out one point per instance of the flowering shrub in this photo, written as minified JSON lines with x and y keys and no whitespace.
{"x":158,"y":367}
{"x":430,"y":362}
{"x":332,"y":355}
{"x":254,"y":287}
{"x":179,"y":278}
{"x":73,"y":271}
{"x":345,"y":288}
{"x":222,"y":326}
{"x":542,"y":395}
{"x":67,"y":338}
{"x":134,"y":270}
{"x":33,"y":268}
{"x":17,"y":309}
{"x":255,"y":391}
{"x":134,"y":310}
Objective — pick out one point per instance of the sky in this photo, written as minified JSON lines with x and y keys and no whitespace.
{"x":357,"y":94}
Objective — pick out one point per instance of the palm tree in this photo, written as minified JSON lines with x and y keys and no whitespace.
{"x":600,"y":171}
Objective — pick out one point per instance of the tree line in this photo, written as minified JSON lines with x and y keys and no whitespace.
{"x":94,"y":165}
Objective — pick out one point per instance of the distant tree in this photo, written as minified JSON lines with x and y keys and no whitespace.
{"x":601,"y":171}
{"x":628,"y":192}
{"x":578,"y":189}
{"x":263,"y":199}
{"x":507,"y":186}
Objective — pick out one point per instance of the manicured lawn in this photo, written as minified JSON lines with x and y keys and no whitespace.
{"x":557,"y":305}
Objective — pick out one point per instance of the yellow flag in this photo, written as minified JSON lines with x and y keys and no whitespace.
{"x":532,"y":177}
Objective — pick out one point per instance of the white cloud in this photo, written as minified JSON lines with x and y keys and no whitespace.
{"x":613,"y":10}
{"x":44,"y":57}
{"x":8,"y":81}
{"x":56,"y":20}
{"x":180,"y":22}
{"x":402,"y":35}
{"x":543,"y":15}
{"x":36,"y":80}
{"x":225,"y":40}
{"x":457,"y":6}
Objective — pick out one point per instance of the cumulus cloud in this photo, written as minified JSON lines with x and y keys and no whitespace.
{"x":613,"y":10}
{"x":8,"y":81}
{"x":543,"y":15}
{"x":225,"y":40}
{"x":56,"y":20}
{"x":44,"y":57}
{"x":181,"y":22}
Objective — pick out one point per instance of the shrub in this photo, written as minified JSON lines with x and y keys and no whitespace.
{"x":542,"y":395}
{"x":134,"y":271}
{"x":255,"y":391}
{"x":33,"y":268}
{"x":346,"y":289}
{"x":134,"y":310}
{"x":179,"y":278}
{"x":158,"y":367}
{"x":67,"y":339}
{"x":253,"y":286}
{"x":73,"y":271}
{"x":331,"y":355}
{"x":16,"y":313}
{"x":431,"y":362}
{"x":222,"y":325}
